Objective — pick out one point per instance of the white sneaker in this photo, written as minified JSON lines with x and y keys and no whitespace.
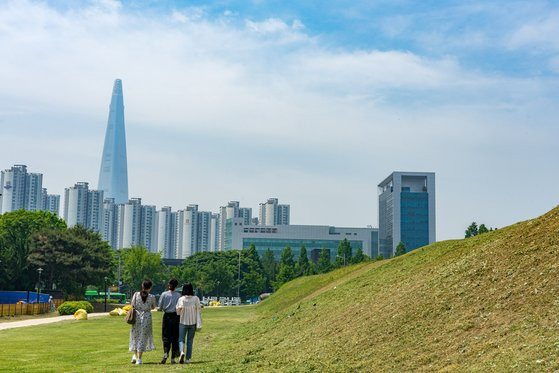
{"x":138,"y":361}
{"x":133,"y":359}
{"x":187,"y":361}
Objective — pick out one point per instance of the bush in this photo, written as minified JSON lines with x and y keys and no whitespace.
{"x":69,"y":308}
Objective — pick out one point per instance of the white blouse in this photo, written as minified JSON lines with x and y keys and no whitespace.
{"x":188,"y":308}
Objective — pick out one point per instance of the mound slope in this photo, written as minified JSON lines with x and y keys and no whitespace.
{"x":488,"y":303}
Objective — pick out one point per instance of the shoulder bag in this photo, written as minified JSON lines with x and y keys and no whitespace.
{"x":130,"y":317}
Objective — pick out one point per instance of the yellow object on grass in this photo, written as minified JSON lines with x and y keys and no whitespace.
{"x":80,"y":314}
{"x":115,"y":312}
{"x":127,"y":307}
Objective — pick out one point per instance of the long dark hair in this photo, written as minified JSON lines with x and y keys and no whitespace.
{"x":187,"y":289}
{"x":146,"y":285}
{"x":173,"y":283}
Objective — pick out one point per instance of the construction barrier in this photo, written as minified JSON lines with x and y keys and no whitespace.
{"x":23,"y":309}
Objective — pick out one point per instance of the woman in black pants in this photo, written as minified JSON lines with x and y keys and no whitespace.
{"x":168,"y":304}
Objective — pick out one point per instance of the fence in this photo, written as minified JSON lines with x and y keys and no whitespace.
{"x":23,"y":309}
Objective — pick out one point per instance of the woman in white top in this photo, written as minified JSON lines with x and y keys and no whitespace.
{"x":188,"y":308}
{"x":141,"y":334}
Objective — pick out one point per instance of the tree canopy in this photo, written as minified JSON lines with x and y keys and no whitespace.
{"x":71,"y":259}
{"x":400,"y":249}
{"x":16,"y":232}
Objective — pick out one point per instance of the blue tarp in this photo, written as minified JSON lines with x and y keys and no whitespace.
{"x":12,"y":297}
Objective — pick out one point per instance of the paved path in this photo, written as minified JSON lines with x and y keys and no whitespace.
{"x":41,"y":321}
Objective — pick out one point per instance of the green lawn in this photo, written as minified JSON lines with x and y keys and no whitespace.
{"x":101,"y":344}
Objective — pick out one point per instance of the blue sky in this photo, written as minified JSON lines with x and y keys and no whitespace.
{"x":310,"y":102}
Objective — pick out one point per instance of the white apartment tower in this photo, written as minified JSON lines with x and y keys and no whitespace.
{"x":272,"y":213}
{"x":129,"y":217}
{"x":165,"y":232}
{"x":21,"y":190}
{"x":83,"y":206}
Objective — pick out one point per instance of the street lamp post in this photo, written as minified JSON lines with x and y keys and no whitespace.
{"x":40,"y":270}
{"x":239,"y":277}
{"x":106,"y":294}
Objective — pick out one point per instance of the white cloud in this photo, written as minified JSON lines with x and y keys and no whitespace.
{"x":541,"y":32}
{"x":259,"y":104}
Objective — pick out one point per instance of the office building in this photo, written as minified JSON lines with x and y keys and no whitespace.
{"x":113,"y":173}
{"x":272,"y":213}
{"x":230,"y":211}
{"x":313,"y":237}
{"x":406,"y":211}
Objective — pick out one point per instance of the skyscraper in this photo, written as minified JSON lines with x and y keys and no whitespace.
{"x":113,"y":175}
{"x":406,"y":211}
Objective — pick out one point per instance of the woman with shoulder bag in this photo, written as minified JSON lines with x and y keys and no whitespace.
{"x":188,"y":308}
{"x":141,"y":334}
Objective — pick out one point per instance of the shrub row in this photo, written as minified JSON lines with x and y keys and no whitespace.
{"x":69,"y":308}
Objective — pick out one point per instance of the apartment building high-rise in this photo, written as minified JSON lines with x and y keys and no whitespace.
{"x":83,"y":206}
{"x":110,"y":222}
{"x":165,"y":222}
{"x":406,"y":211}
{"x":129,"y":225}
{"x":34,"y":192}
{"x":272,"y":213}
{"x":22,"y":190}
{"x":113,"y":173}
{"x":51,"y":202}
{"x":148,"y":230}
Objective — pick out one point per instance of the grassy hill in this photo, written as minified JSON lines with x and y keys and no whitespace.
{"x":485,"y":304}
{"x":488,"y":303}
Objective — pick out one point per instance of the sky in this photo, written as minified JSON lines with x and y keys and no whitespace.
{"x":312,"y":102}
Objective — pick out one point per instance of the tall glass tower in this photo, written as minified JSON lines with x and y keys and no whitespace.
{"x":113,"y":175}
{"x":406,"y":211}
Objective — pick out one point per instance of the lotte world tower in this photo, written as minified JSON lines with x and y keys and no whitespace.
{"x":113,"y":175}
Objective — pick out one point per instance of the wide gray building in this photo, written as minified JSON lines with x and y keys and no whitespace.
{"x":238,"y":235}
{"x":406,"y":211}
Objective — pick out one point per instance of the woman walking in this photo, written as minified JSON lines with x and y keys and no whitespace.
{"x":141,"y":334}
{"x":188,"y":308}
{"x":170,"y":332}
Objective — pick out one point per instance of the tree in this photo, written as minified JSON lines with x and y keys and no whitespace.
{"x":16,"y":231}
{"x":286,"y":270}
{"x":253,"y":281}
{"x":483,"y":229}
{"x":400,"y":249}
{"x":71,"y":259}
{"x":302,"y":268}
{"x":323,"y":264}
{"x":344,"y":253}
{"x":218,"y":278}
{"x":139,"y":264}
{"x":270,"y":269}
{"x":472,"y":230}
{"x":359,"y":256}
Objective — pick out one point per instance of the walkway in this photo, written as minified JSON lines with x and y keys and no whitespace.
{"x":47,"y":320}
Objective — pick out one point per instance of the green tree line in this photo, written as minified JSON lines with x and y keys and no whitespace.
{"x":74,"y":258}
